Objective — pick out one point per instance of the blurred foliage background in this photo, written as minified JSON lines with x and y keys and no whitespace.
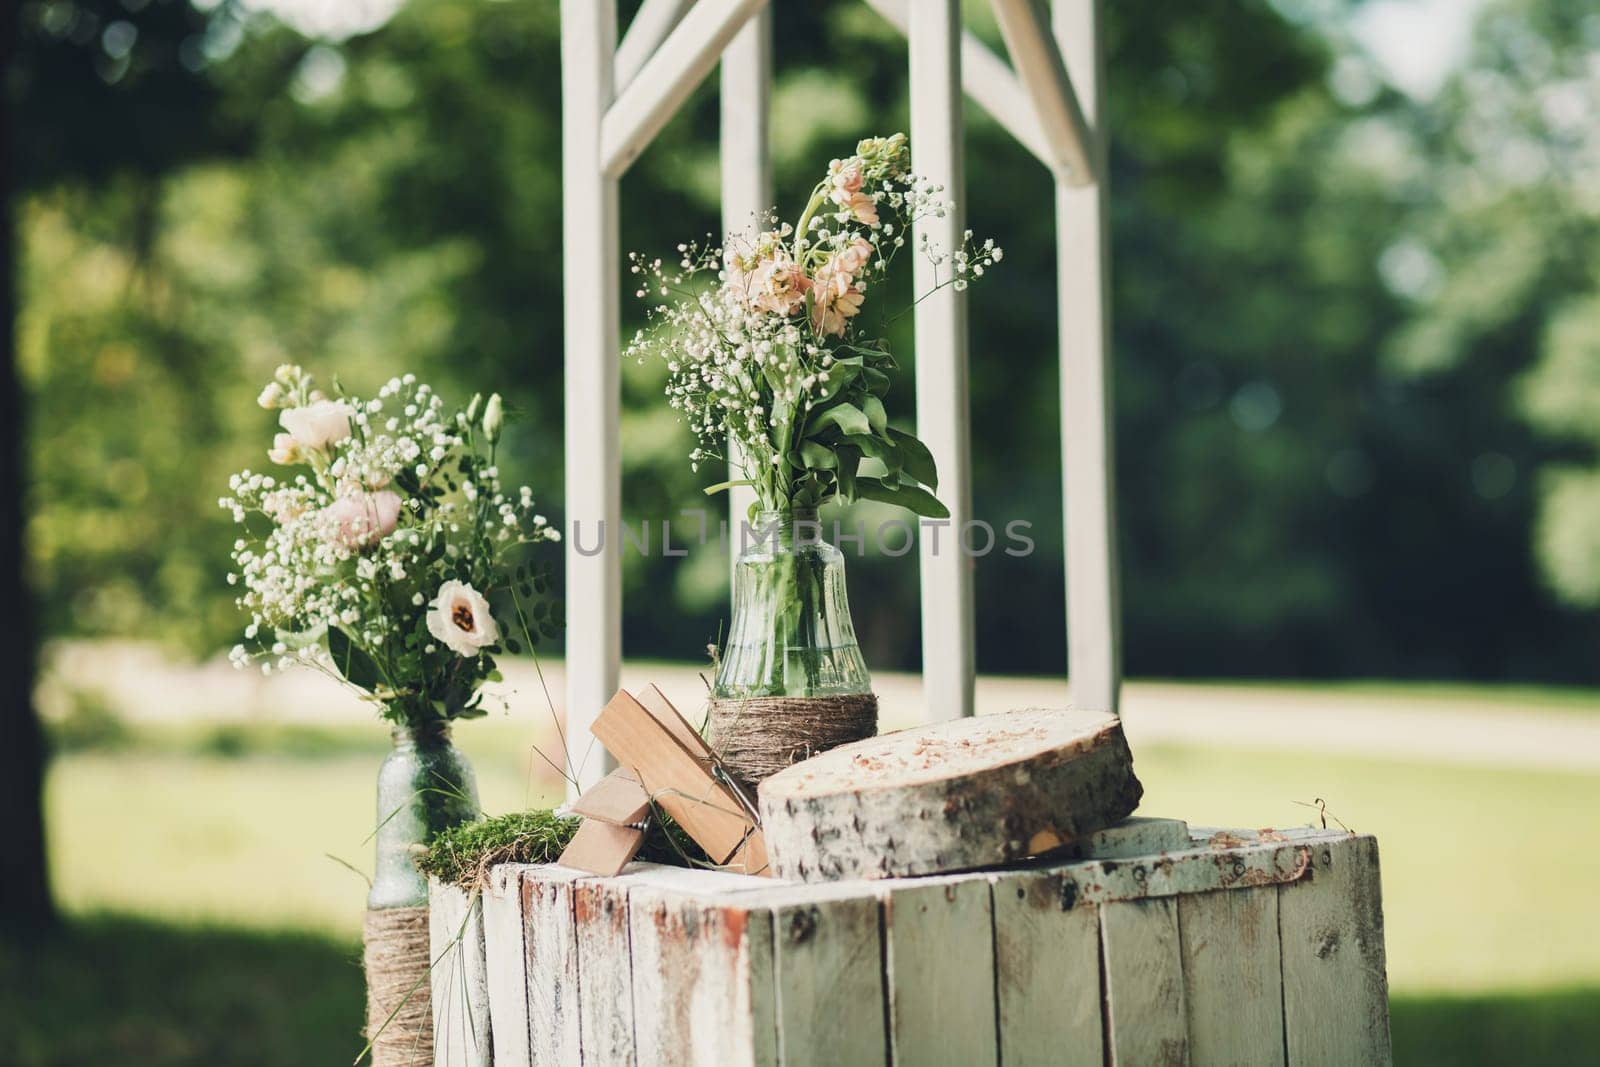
{"x":1357,"y":331}
{"x":1357,"y":364}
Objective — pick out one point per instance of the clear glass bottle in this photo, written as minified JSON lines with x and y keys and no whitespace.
{"x":425,"y":785}
{"x":791,"y":634}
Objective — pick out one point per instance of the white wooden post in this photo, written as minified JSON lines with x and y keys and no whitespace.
{"x":934,"y":34}
{"x":746,"y":178}
{"x":593,"y":380}
{"x":1082,"y":266}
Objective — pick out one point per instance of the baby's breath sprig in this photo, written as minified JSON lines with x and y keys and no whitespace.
{"x":376,"y":555}
{"x":763,"y":343}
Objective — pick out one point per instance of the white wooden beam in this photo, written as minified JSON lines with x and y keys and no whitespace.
{"x":1025,"y":27}
{"x":1083,"y":266}
{"x":746,"y":92}
{"x":668,"y":77}
{"x":650,"y":26}
{"x":988,"y":80}
{"x":590,"y":284}
{"x":937,"y":131}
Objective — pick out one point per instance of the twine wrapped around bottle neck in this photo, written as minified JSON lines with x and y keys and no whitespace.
{"x":756,"y":737}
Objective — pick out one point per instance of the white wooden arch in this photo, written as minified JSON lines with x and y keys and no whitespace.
{"x":617,"y":97}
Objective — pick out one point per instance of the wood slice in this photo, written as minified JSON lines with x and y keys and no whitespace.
{"x":949,"y":796}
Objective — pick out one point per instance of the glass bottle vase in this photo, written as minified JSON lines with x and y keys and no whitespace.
{"x":791,"y":634}
{"x":425,"y":785}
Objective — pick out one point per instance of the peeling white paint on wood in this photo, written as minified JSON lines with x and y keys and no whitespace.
{"x":1335,"y":983}
{"x":828,"y":975}
{"x":982,"y":967}
{"x":506,"y":966}
{"x":1047,"y":973}
{"x":458,"y":983}
{"x":605,"y":971}
{"x":940,"y":972}
{"x":702,"y":981}
{"x":1145,"y":1017}
{"x":1232,"y":978}
{"x":551,"y":944}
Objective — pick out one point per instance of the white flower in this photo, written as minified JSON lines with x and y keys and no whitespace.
{"x":460,"y":618}
{"x":285,"y":449}
{"x":319,"y":424}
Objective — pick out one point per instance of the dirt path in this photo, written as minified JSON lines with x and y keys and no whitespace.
{"x":1486,"y":729}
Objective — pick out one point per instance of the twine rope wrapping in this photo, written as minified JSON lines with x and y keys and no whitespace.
{"x":395,"y":953}
{"x":756,"y":737}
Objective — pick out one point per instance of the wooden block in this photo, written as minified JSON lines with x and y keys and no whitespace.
{"x":1335,"y":985}
{"x":459,"y":984}
{"x":702,"y":980}
{"x":656,"y":703}
{"x":618,"y":798}
{"x":1232,"y":976}
{"x":550,"y":941}
{"x":940,"y":958}
{"x":1136,"y":837}
{"x":1047,"y":966}
{"x":672,"y":775}
{"x":601,"y":848}
{"x":605,"y":971}
{"x":950,"y":796}
{"x":506,"y":965}
{"x":1145,"y":1015}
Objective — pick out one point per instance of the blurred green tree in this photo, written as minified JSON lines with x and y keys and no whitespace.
{"x":1303,"y":490}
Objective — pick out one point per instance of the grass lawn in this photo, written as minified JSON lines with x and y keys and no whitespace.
{"x":211,"y":847}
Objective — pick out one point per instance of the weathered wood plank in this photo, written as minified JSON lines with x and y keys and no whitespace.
{"x":506,"y":967}
{"x":702,"y":980}
{"x":459,"y":984}
{"x":1145,"y":1019}
{"x":828,"y":974}
{"x":1136,"y":836}
{"x":550,"y":940}
{"x":1047,"y":965}
{"x":1232,"y":978}
{"x":1335,"y":985}
{"x":940,"y":957}
{"x":1194,"y":871}
{"x":605,"y":971}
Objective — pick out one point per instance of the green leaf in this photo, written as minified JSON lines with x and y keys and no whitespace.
{"x":357,"y":667}
{"x":815,"y":455}
{"x":879,"y":449}
{"x":918,"y":501}
{"x":876,"y":416}
{"x":847,"y":417}
{"x":916,"y":459}
{"x":877,"y":381}
{"x":873,"y":468}
{"x":849,"y":458}
{"x":841,"y":373}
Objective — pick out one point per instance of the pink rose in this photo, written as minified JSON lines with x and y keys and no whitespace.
{"x":359,"y":519}
{"x":318,"y":424}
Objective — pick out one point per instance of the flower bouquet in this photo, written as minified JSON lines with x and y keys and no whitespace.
{"x":388,"y":556}
{"x":769,"y":359}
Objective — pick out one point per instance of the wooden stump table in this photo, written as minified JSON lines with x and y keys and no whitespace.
{"x":1158,"y":944}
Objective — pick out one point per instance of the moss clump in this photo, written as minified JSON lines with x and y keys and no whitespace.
{"x":464,"y":854}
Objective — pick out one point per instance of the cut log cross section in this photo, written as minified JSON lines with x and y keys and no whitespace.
{"x":953,"y":796}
